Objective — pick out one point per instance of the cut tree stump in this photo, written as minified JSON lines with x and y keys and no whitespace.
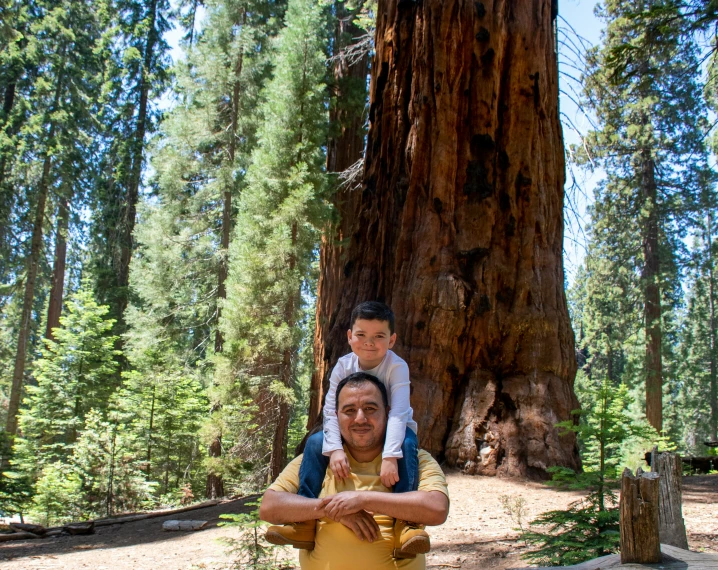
{"x":184,"y":525}
{"x":639,"y":517}
{"x":671,"y":528}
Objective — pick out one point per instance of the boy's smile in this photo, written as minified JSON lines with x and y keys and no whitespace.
{"x":370,"y":340}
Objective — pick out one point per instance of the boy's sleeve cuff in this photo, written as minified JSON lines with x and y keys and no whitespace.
{"x":394,"y":454}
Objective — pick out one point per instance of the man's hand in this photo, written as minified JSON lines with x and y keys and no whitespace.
{"x":389,"y":472}
{"x":342,"y":504}
{"x":363,"y":525}
{"x":339,"y":464}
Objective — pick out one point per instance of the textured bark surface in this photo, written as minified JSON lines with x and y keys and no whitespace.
{"x":460,"y":229}
{"x":54,"y":309}
{"x":345,"y":148}
{"x":639,"y":507}
{"x":671,"y":527}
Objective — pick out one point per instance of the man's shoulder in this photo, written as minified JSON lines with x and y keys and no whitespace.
{"x":288,"y":479}
{"x":431,"y":476}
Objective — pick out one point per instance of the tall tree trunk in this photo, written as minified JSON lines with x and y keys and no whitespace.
{"x":278,"y":458}
{"x":712,"y":324}
{"x":33,"y":263}
{"x":129,"y":214}
{"x":215,"y":484}
{"x":345,"y":148}
{"x":460,"y":230}
{"x":54,"y":309}
{"x":652,"y":298}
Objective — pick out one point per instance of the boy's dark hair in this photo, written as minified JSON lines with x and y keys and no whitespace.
{"x":361,"y":378}
{"x":373,"y":311}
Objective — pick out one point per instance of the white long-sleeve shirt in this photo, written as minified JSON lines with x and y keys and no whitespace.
{"x":393,"y":372}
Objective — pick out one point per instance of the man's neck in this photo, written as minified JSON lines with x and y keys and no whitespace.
{"x":365,"y":455}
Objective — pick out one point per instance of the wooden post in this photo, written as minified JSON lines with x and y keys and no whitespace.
{"x":671,"y":528}
{"x":639,"y":518}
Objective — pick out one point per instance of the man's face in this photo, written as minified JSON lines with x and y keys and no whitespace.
{"x":362,"y":416}
{"x":370,"y":339}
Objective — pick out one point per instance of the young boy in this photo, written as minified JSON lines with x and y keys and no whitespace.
{"x":370,"y":337}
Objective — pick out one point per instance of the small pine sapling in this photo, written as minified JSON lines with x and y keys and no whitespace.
{"x":249,"y":550}
{"x":589,"y":527}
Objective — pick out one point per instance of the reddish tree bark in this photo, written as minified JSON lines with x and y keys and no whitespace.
{"x":344,"y":149}
{"x":460,"y":229}
{"x":54,"y":309}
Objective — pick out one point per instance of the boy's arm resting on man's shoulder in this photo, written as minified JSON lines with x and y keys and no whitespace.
{"x":279,"y":507}
{"x":424,"y":507}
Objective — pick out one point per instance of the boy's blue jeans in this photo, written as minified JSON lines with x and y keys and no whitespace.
{"x":314,"y":466}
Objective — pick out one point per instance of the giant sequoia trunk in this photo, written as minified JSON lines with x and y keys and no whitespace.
{"x":460,"y":230}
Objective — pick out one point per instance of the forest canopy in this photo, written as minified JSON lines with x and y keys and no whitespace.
{"x":178,"y":240}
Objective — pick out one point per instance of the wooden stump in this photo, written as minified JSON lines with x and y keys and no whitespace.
{"x":671,"y":528}
{"x":639,"y":518}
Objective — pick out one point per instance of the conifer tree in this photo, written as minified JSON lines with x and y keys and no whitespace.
{"x":74,"y":376}
{"x":642,"y":85}
{"x":201,"y":162}
{"x":138,"y":75}
{"x":276,"y":237}
{"x":60,"y":109}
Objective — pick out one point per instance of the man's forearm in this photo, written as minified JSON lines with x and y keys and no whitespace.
{"x":279,"y":508}
{"x":424,"y":507}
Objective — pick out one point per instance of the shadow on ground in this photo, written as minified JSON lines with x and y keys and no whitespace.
{"x":120,"y":535}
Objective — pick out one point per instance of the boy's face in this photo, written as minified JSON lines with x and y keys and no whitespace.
{"x":369,"y":340}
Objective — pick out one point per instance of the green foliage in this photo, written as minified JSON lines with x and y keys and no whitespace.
{"x":58,"y":495}
{"x":589,"y":528}
{"x":77,"y":372}
{"x":163,"y":410}
{"x":250,"y":551}
{"x":273,"y":253}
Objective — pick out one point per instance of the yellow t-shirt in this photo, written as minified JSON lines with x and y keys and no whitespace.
{"x":336,"y":546}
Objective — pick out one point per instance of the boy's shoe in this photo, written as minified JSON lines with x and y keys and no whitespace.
{"x":298,"y":535}
{"x":410,"y":539}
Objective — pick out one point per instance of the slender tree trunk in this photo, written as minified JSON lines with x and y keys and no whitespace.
{"x":652,"y":298}
{"x":712,"y":324}
{"x":54,"y":309}
{"x":150,"y":431}
{"x":137,"y":159}
{"x":33,"y":263}
{"x":27,"y":301}
{"x":278,"y":458}
{"x":460,"y":229}
{"x":344,"y":149}
{"x":215,"y":485}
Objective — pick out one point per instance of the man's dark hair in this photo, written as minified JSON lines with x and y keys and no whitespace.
{"x":373,"y":311}
{"x":361,"y":378}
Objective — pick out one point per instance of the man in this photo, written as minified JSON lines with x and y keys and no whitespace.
{"x":355,"y":516}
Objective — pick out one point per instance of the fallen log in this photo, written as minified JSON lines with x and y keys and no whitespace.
{"x":154,"y":514}
{"x":79,"y":528}
{"x":184,"y":525}
{"x":26,"y":527}
{"x":18,"y":536}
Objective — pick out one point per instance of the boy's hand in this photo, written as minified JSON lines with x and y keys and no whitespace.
{"x":339,"y":464}
{"x":389,"y":472}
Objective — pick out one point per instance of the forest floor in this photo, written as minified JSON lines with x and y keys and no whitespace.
{"x":477,"y":535}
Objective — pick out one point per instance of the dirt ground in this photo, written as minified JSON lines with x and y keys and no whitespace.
{"x":477,"y":535}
